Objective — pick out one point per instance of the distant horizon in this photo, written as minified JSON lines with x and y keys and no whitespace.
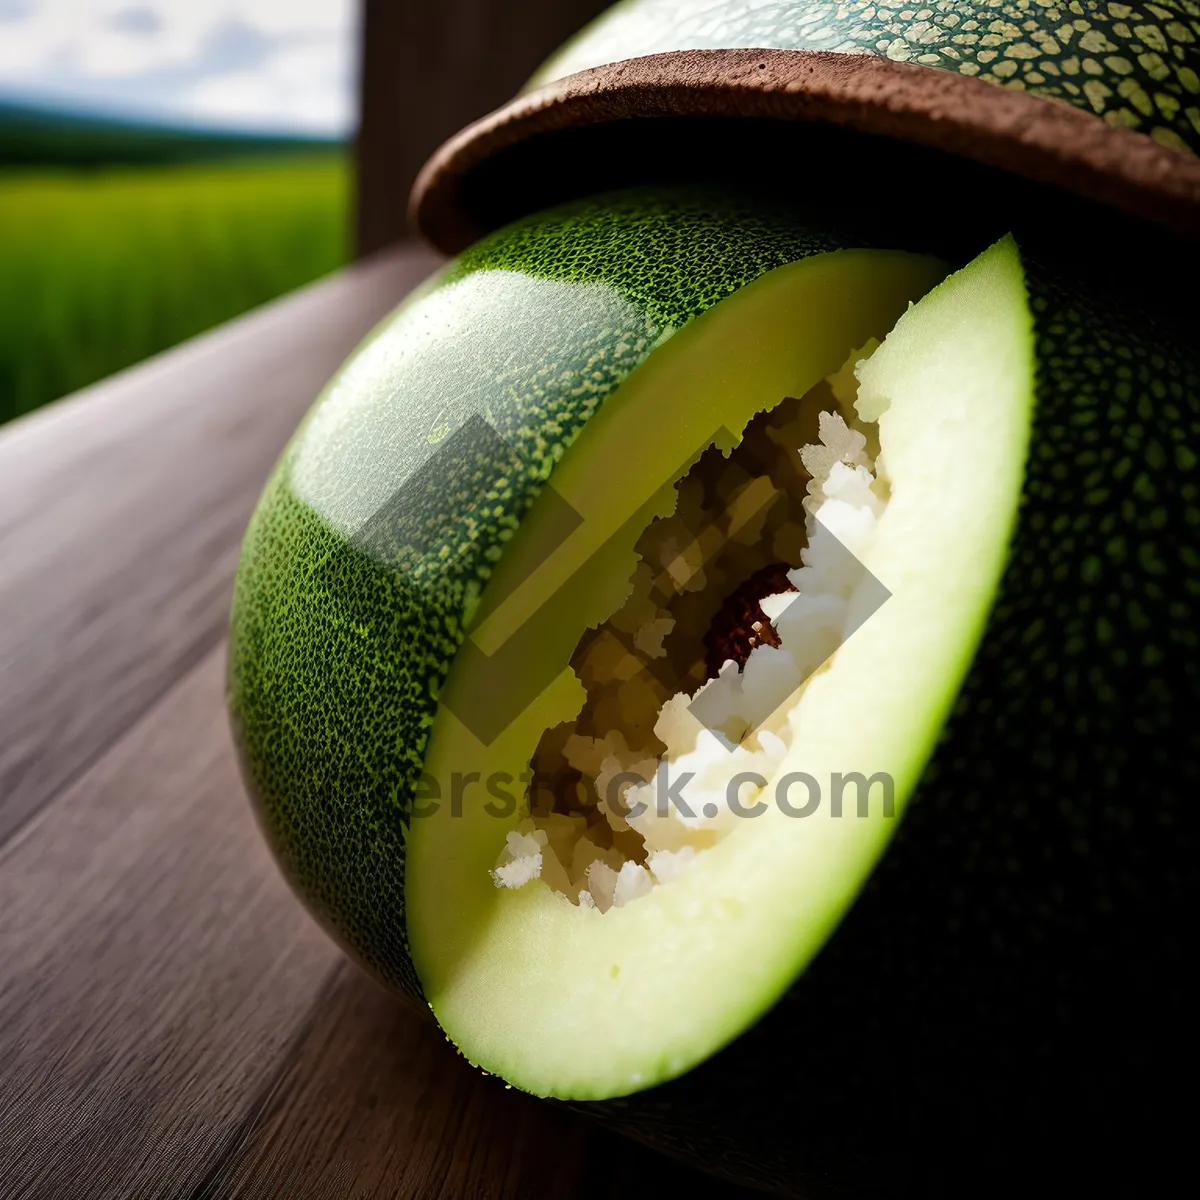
{"x":72,"y":107}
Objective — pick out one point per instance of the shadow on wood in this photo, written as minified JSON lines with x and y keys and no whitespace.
{"x":374,"y":1102}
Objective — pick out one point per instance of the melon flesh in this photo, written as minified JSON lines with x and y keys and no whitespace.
{"x":595,"y":831}
{"x":564,"y":1000}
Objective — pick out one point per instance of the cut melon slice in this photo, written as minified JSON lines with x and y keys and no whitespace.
{"x":565,"y":1000}
{"x":991,"y":974}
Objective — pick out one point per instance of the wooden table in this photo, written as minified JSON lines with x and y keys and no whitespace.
{"x":172,"y":1023}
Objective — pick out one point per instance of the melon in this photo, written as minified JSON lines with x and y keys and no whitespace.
{"x":1133,"y":64}
{"x":741,"y":680}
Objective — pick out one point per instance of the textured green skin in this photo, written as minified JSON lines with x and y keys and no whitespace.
{"x":337,"y":657}
{"x":1005,"y":1002}
{"x":1136,"y":65}
{"x":1008,"y":986}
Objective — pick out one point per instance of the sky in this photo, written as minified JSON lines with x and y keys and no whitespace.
{"x":277,"y":65}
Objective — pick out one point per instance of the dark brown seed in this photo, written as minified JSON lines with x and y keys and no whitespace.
{"x":740,"y":623}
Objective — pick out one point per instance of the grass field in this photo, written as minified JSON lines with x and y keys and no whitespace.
{"x":101,"y":268}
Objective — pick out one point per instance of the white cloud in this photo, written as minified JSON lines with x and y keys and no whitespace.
{"x":268,"y":63}
{"x":295,"y":86}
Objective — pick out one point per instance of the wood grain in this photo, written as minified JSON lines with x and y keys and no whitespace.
{"x":374,"y":1103}
{"x":172,"y":1023}
{"x":156,"y":967}
{"x":428,"y":69}
{"x":121,"y":514}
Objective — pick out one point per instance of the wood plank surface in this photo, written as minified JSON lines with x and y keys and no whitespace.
{"x":121,"y":513}
{"x":375,"y":1103}
{"x":172,"y":1023}
{"x":156,"y":967}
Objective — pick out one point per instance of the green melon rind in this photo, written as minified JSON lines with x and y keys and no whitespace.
{"x":1137,"y":65}
{"x":336,"y":655}
{"x":1045,"y":914}
{"x":689,"y":975}
{"x":1012,"y":973}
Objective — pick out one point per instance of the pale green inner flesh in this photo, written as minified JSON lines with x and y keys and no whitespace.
{"x":567,"y":1001}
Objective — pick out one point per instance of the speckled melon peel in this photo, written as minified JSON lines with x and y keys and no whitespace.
{"x":628,"y":998}
{"x":1101,"y":101}
{"x":1000,"y":938}
{"x":341,"y":638}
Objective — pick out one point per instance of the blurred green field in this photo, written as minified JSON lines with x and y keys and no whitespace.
{"x":101,"y":268}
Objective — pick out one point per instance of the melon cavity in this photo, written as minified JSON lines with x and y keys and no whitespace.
{"x":740,"y":595}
